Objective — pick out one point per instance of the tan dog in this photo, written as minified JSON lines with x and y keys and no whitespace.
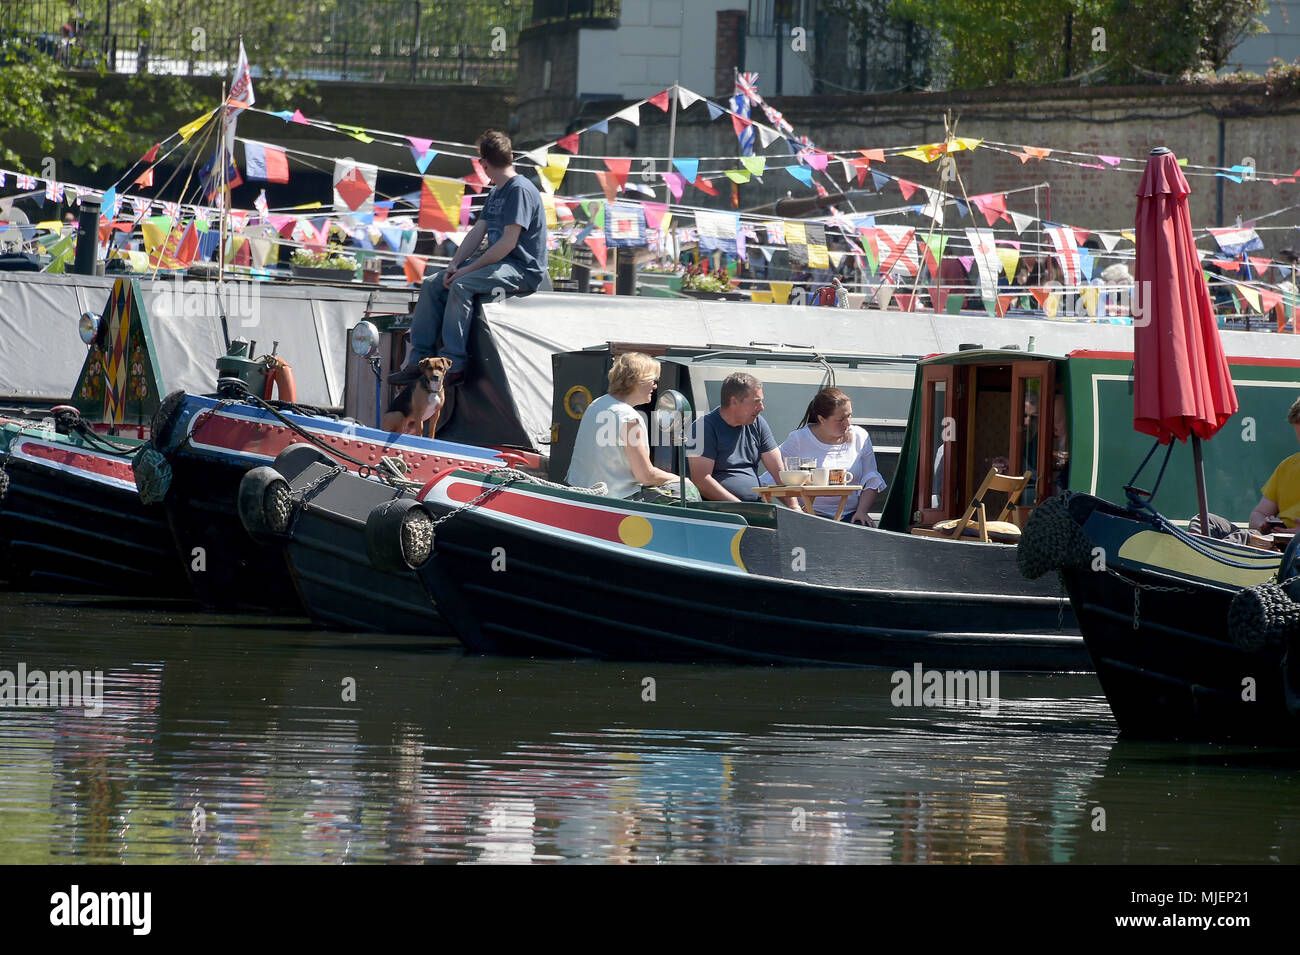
{"x":416,"y":409}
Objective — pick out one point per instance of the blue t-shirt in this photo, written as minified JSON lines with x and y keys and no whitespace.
{"x":519,"y":203}
{"x":736,"y":452}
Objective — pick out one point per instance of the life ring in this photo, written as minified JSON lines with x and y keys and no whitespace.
{"x":279,"y":374}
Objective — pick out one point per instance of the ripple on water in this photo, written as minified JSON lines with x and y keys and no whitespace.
{"x":228,"y":739}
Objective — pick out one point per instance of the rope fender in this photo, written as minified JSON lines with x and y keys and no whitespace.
{"x":153,"y":474}
{"x":1052,"y":540}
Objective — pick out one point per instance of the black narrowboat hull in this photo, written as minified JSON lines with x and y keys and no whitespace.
{"x":1163,"y":651}
{"x":72,"y":522}
{"x":212,"y":444}
{"x":510,"y":588}
{"x":226,"y":568}
{"x":325,"y":550}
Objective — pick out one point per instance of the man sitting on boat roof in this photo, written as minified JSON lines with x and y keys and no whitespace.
{"x":514,"y":222}
{"x":1281,"y":500}
{"x":731,"y":441}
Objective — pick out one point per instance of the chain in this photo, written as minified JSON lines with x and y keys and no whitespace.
{"x":308,"y":491}
{"x":1061,"y":599}
{"x":202,"y":419}
{"x":1137,"y":593}
{"x":511,"y":475}
{"x":300,"y":498}
{"x":493,"y":489}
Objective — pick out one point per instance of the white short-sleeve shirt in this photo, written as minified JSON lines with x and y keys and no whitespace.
{"x":854,"y":455}
{"x":599,"y":453}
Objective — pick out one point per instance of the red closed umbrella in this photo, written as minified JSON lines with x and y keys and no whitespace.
{"x":1181,"y":383}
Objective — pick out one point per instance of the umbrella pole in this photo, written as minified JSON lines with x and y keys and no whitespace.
{"x":1199,"y":464}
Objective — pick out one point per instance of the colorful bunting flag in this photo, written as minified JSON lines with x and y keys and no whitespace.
{"x":625,"y":225}
{"x":1237,"y":241}
{"x":800,"y":173}
{"x":266,"y":163}
{"x":619,"y":168}
{"x":720,"y":232}
{"x":689,"y":168}
{"x":552,"y":174}
{"x":440,"y":203}
{"x":354,"y":186}
{"x":989,"y":258}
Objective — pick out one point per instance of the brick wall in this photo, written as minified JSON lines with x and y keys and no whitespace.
{"x":726,"y":57}
{"x":1118,"y":122}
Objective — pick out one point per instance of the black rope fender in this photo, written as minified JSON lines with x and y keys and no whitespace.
{"x":1052,"y":540}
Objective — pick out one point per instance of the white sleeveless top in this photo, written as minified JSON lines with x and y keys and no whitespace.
{"x":599,"y":452}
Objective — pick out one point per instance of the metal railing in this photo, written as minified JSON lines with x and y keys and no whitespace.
{"x":399,"y":41}
{"x":554,"y":11}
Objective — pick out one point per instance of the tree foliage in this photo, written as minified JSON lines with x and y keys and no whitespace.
{"x":995,"y":42}
{"x":46,"y":110}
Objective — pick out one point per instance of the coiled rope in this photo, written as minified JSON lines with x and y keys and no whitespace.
{"x":1052,"y":540}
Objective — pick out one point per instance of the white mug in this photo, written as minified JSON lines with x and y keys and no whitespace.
{"x":840,"y":475}
{"x":820,"y":477}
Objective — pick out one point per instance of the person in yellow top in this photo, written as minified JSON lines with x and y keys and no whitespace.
{"x":1281,"y":500}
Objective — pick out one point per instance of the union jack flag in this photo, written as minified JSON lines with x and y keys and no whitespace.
{"x":775,"y":117}
{"x":140,"y":204}
{"x":53,"y":190}
{"x":171,"y":209}
{"x":26,"y":182}
{"x":260,"y":203}
{"x":744,"y":131}
{"x":747,"y":84}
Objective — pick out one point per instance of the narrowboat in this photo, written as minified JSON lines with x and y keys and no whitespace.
{"x":210,"y":443}
{"x":541,"y":570}
{"x":1190,"y":635}
{"x":322,"y":532}
{"x":70,"y":516}
{"x":1192,"y":638}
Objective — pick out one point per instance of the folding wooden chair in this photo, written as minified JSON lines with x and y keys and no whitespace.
{"x":1013,"y":487}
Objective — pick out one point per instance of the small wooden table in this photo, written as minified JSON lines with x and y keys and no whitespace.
{"x":809,"y":493}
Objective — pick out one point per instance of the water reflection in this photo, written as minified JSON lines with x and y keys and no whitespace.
{"x":229,"y":739}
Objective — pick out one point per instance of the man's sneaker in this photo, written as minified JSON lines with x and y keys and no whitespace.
{"x":405,"y":376}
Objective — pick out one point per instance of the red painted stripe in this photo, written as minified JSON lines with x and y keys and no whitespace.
{"x":121,"y":470}
{"x":553,"y":512}
{"x":240,"y":435}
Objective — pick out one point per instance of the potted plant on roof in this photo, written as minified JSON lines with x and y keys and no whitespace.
{"x":329,"y":265}
{"x":699,"y":282}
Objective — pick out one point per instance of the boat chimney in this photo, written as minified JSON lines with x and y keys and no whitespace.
{"x":87,"y":238}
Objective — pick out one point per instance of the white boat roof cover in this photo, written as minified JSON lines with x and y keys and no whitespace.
{"x":41,"y":354}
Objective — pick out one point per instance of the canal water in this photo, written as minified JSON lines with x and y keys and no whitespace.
{"x":250,"y":739}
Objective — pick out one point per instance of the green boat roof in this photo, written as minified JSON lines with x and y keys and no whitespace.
{"x":983,"y":355}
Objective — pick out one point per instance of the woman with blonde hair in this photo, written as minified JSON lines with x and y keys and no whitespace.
{"x":611,"y":446}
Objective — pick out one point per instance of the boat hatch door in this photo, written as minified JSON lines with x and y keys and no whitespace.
{"x":1033,"y":390}
{"x":935,"y":479}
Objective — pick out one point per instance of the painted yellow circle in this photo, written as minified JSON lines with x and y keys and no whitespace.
{"x":635,"y":531}
{"x":576,"y":400}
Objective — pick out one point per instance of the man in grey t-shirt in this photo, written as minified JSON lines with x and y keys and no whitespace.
{"x":731,"y":441}
{"x":514,"y":221}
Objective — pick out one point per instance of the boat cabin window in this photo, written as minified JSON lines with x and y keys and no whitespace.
{"x":978,"y":417}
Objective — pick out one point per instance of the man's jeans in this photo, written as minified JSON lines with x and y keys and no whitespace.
{"x":448,"y":312}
